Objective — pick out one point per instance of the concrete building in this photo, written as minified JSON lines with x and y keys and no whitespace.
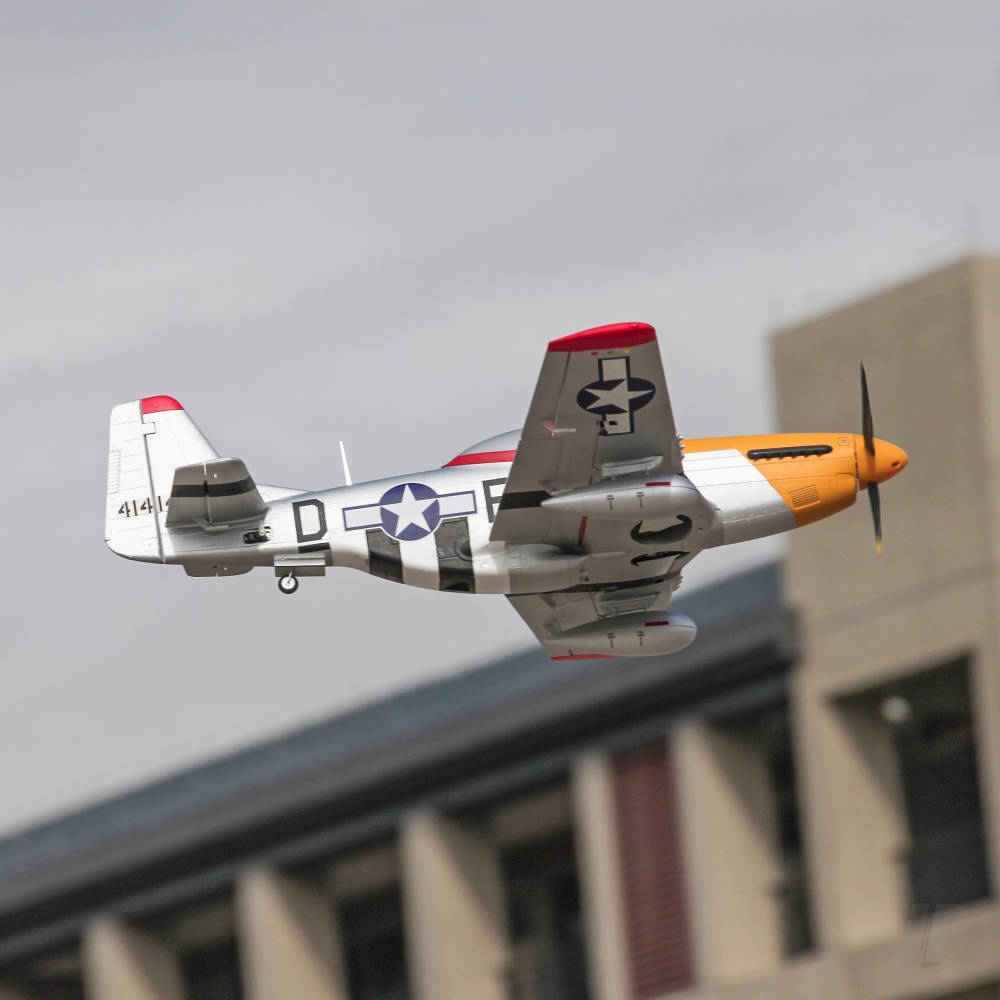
{"x":803,"y":804}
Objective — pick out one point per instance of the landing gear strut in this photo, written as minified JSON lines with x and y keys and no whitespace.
{"x":288,"y":583}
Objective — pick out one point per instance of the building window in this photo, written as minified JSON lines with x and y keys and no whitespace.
{"x":374,"y":948}
{"x":44,"y":989}
{"x":202,"y":936}
{"x":655,"y":896}
{"x":212,"y":973}
{"x":545,"y":921}
{"x":792,"y":888}
{"x":934,"y":738}
{"x":743,"y":841}
{"x":48,"y":977}
{"x":991,"y":992}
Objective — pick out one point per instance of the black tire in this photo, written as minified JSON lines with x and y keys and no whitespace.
{"x":288,"y":583}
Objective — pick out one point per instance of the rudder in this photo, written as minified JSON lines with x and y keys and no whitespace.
{"x":149,"y":438}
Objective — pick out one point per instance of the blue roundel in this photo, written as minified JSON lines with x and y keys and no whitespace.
{"x":410,"y":511}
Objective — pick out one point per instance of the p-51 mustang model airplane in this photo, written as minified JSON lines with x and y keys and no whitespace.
{"x":584,"y":518}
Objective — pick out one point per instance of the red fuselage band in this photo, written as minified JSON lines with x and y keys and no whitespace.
{"x":483,"y":458}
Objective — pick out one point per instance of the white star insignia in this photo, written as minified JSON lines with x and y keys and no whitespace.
{"x":409,"y":511}
{"x":619,"y":396}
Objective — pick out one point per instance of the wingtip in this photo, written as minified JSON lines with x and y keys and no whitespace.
{"x":586,"y":656}
{"x":613,"y":336}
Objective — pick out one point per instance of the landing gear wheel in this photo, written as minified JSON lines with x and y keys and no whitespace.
{"x":288,"y":584}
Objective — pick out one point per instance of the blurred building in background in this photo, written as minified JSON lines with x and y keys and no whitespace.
{"x":803,"y":804}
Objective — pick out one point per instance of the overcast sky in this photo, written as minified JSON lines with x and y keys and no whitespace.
{"x":310,"y":222}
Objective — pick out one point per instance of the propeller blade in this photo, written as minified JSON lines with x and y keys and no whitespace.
{"x":867,"y":425}
{"x":875,"y":500}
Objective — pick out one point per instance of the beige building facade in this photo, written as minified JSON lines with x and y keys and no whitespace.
{"x":915,"y":631}
{"x":805,"y":804}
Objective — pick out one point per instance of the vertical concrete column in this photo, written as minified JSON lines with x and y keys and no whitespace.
{"x":454,"y":910}
{"x":121,"y":963}
{"x":984,"y":679}
{"x":731,"y":852}
{"x":600,"y":876}
{"x":854,"y":818}
{"x":289,"y":945}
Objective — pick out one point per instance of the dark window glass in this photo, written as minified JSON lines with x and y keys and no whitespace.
{"x":49,"y":977}
{"x":545,"y":922}
{"x":50,"y":988}
{"x":991,"y":992}
{"x":212,"y":973}
{"x":374,"y":947}
{"x":936,"y":749}
{"x":793,"y":890}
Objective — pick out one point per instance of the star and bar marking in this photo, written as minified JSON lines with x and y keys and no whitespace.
{"x":409,"y":511}
{"x":616,"y":395}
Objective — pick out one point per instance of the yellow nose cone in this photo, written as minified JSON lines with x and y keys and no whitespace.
{"x":884,"y":464}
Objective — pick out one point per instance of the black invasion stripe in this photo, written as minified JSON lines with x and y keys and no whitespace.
{"x":521,"y":501}
{"x":454,"y":553}
{"x":206,"y":489}
{"x":383,"y":555}
{"x":796,"y":451}
{"x":315,"y":547}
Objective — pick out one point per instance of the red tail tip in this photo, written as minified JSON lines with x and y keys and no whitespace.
{"x":157,"y":404}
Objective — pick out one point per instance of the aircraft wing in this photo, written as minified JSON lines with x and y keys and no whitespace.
{"x":553,"y":616}
{"x":600,"y":410}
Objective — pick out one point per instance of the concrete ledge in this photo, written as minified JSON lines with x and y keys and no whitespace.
{"x":958,"y":950}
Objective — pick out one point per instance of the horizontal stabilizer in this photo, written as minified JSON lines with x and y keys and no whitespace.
{"x":213,"y":494}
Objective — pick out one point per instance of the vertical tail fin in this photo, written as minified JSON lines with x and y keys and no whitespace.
{"x":149,"y":438}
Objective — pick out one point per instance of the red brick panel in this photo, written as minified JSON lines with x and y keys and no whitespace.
{"x":656,"y":921}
